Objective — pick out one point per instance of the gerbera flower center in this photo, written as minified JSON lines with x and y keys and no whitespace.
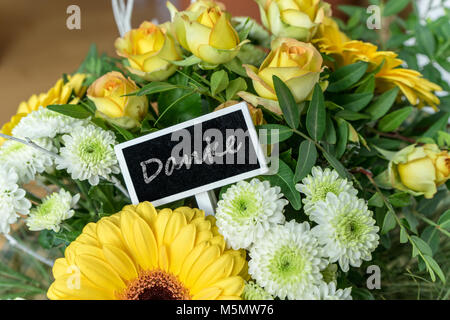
{"x":156,"y":285}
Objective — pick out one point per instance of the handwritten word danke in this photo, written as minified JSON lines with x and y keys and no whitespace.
{"x":213,"y":153}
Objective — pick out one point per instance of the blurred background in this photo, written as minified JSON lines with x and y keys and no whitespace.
{"x":36,"y":47}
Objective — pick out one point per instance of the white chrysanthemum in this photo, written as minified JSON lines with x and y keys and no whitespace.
{"x":329,"y":292}
{"x":54,"y":209}
{"x":346,"y":229}
{"x":317,"y":185}
{"x":248,"y":210}
{"x":45,"y":123}
{"x":287,"y":261}
{"x":12,"y":199}
{"x":88,"y":154}
{"x":252,"y":291}
{"x":25,"y":160}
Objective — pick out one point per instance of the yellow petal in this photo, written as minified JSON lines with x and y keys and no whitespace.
{"x":146,"y":246}
{"x":231,"y":286}
{"x":207,"y":257}
{"x":99,"y":272}
{"x":176,"y":221}
{"x":160,"y":225}
{"x":208,"y":294}
{"x":120,"y":262}
{"x":65,"y":288}
{"x":163,"y":258}
{"x":223,"y":35}
{"x":109,"y":233}
{"x":147,"y":212}
{"x":191,"y":259}
{"x":219,"y":269}
{"x":181,"y":246}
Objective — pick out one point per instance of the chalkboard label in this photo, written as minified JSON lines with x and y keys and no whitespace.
{"x":192,"y":157}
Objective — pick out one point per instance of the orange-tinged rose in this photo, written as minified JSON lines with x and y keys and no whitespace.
{"x":109,"y":95}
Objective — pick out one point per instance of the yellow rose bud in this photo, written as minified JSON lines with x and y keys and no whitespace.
{"x":149,"y":50}
{"x":206,"y":32}
{"x":108,"y":93}
{"x":298,"y":19}
{"x":297,"y":63}
{"x":200,"y":5}
{"x":420,"y":169}
{"x":255,"y":113}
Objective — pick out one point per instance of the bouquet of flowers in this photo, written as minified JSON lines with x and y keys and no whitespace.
{"x":359,"y":205}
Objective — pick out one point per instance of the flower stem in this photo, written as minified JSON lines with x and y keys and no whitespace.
{"x":119,"y":186}
{"x":14,"y":243}
{"x":30,"y":143}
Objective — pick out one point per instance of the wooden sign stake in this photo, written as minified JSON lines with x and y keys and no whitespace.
{"x":207,"y":202}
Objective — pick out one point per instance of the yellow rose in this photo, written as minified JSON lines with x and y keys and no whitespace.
{"x":298,"y":19}
{"x":206,"y":32}
{"x":149,"y":50}
{"x":419,"y":169}
{"x":108,"y":93}
{"x":297,"y":63}
{"x":200,"y":5}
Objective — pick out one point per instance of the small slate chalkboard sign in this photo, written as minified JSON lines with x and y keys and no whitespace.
{"x":192,"y":157}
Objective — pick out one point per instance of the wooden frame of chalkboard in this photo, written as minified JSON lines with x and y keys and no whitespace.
{"x":131,"y":152}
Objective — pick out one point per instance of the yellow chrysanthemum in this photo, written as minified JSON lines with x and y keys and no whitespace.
{"x":418,"y":90}
{"x":142,"y":254}
{"x":8,"y":127}
{"x":60,"y":93}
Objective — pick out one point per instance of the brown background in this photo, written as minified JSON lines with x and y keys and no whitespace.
{"x":36,"y":47}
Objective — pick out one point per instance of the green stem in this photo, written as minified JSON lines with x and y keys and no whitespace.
{"x":308,"y":138}
{"x":432,"y":223}
{"x":85,"y":193}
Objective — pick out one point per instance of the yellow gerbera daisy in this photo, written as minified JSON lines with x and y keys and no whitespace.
{"x":418,"y":90}
{"x":60,"y":93}
{"x":142,"y":254}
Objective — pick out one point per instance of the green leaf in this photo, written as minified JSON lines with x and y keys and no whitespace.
{"x":376,"y":201}
{"x":189,"y":61}
{"x":284,"y":133}
{"x":444,"y":220}
{"x":72,"y":110}
{"x":287,"y":102}
{"x":219,"y":81}
{"x":234,"y":87}
{"x":435,"y":267}
{"x":400,"y":199}
{"x":389,"y":222}
{"x":127,"y":135}
{"x":353,"y":101}
{"x":316,"y":116}
{"x":154,"y":87}
{"x":394,"y":7}
{"x":337,"y":165}
{"x":366,"y":85}
{"x":431,"y":236}
{"x":330,"y":131}
{"x":403,"y":235}
{"x":423,"y":247}
{"x":345,"y":77}
{"x":393,"y":120}
{"x":425,"y":39}
{"x":284,"y":178}
{"x":307,"y":157}
{"x":381,"y":106}
{"x":440,"y":124}
{"x":235,"y":66}
{"x":343,"y":130}
{"x":351,"y":115}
